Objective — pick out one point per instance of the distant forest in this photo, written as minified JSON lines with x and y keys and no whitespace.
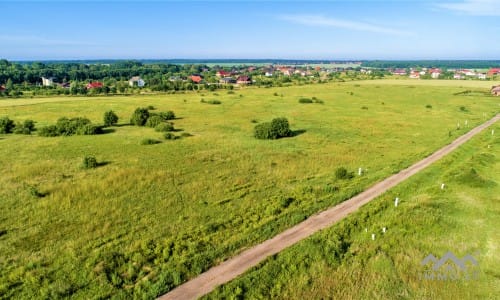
{"x":446,"y":64}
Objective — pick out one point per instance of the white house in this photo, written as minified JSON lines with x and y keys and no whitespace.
{"x":47,"y":81}
{"x":136,"y":80}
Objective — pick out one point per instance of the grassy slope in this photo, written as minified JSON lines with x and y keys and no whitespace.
{"x":156,"y":215}
{"x":343,"y":262}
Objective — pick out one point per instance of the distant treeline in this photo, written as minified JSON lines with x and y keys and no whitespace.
{"x":447,"y":64}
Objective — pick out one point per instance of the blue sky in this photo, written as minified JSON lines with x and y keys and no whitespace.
{"x":448,"y":29}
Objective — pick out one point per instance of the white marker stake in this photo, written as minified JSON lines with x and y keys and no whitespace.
{"x":458,"y":125}
{"x":396,"y":202}
{"x":383,"y":229}
{"x":492,"y":131}
{"x":360,"y":171}
{"x":442,"y":186}
{"x":466,"y":123}
{"x":489,"y":146}
{"x":373,"y":236}
{"x":366,"y":229}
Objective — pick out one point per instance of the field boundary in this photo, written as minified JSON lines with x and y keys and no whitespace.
{"x":237,"y":265}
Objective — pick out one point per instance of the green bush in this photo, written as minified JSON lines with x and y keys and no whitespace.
{"x":27,"y":127}
{"x":305,"y":100}
{"x":168,"y":115}
{"x":428,"y":106}
{"x":48,"y":131}
{"x":6,"y":125}
{"x":211,"y":101}
{"x":67,"y":126}
{"x":342,"y":173}
{"x":170,"y":136}
{"x":89,"y":129}
{"x":89,"y":162}
{"x":110,"y":118}
{"x":149,"y":141}
{"x":275,"y":129}
{"x":153,"y":121}
{"x":164,"y":127}
{"x":139,"y":117}
{"x":186,"y":134}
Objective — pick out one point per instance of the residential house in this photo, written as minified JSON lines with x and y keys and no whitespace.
{"x":435,"y":73}
{"x":495,"y":90}
{"x":136,"y":81}
{"x":481,"y":76}
{"x":399,"y":72}
{"x":222,"y":73}
{"x":94,"y":85}
{"x":415,"y":74}
{"x":458,"y":76}
{"x":49,"y":81}
{"x":227,"y":80}
{"x":196,"y":78}
{"x":243,"y":79}
{"x":493,"y":72}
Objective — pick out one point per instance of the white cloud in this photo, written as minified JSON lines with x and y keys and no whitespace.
{"x":39,"y":41}
{"x":474,"y":7}
{"x":317,"y":20}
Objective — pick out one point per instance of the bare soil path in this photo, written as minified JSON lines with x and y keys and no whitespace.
{"x":235,"y":266}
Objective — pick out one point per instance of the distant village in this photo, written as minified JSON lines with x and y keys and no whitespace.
{"x":215,"y":77}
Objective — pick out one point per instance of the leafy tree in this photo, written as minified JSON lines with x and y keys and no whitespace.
{"x":140,"y":116}
{"x":277,"y":128}
{"x":89,"y":162}
{"x":25,"y":128}
{"x":153,"y":121}
{"x":6,"y":125}
{"x":110,"y":118}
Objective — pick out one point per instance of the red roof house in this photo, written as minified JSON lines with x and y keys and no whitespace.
{"x":2,"y":88}
{"x":196,"y":78}
{"x":93,"y":85}
{"x":222,"y":73}
{"x":243,"y":80}
{"x":494,"y":71}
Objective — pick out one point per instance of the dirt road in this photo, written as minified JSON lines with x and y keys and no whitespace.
{"x":231,"y":268}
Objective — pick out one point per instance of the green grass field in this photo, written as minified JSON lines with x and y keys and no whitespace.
{"x":153,"y":216}
{"x":343,"y":262}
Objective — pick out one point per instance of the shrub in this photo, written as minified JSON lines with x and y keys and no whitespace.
{"x":364,"y":107}
{"x":89,"y":162}
{"x":305,"y":100}
{"x":48,"y":131}
{"x":151,"y":107}
{"x":27,"y":127}
{"x":140,"y":116}
{"x":154,"y":121}
{"x":168,"y":115}
{"x":89,"y":129}
{"x":67,"y":126}
{"x":275,"y":129}
{"x":428,"y":106}
{"x":110,"y":118}
{"x":170,"y":136}
{"x":164,"y":127}
{"x":149,"y":141}
{"x":213,"y":102}
{"x":6,"y":125}
{"x":342,"y":173}
{"x":186,"y":134}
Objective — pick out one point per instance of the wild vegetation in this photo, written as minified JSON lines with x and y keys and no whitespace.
{"x":343,"y":262}
{"x":154,"y":216}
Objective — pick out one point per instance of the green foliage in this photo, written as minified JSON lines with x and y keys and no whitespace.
{"x":170,"y":136}
{"x":277,"y":128}
{"x":164,"y":127}
{"x":89,"y":162}
{"x":110,"y":118}
{"x":27,"y":127}
{"x":140,"y":116}
{"x":89,"y":129}
{"x":186,"y":134}
{"x":149,"y":141}
{"x":168,"y":115}
{"x":211,"y":101}
{"x":48,"y":131}
{"x":428,"y":106}
{"x":6,"y":125}
{"x":34,"y":192}
{"x":66,"y":126}
{"x":305,"y":100}
{"x":153,"y":121}
{"x":342,"y":173}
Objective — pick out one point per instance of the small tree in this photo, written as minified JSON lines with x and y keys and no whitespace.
{"x":6,"y":125}
{"x":154,"y":121}
{"x":25,"y":128}
{"x":89,"y":162}
{"x":140,"y":116}
{"x":275,"y":129}
{"x":110,"y":118}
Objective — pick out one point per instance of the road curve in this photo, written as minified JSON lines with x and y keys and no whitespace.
{"x":231,"y":268}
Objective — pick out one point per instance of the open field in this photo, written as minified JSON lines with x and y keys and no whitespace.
{"x":343,"y":262}
{"x":153,"y":216}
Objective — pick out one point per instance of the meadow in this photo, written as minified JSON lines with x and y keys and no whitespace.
{"x":343,"y":262}
{"x":152,"y":216}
